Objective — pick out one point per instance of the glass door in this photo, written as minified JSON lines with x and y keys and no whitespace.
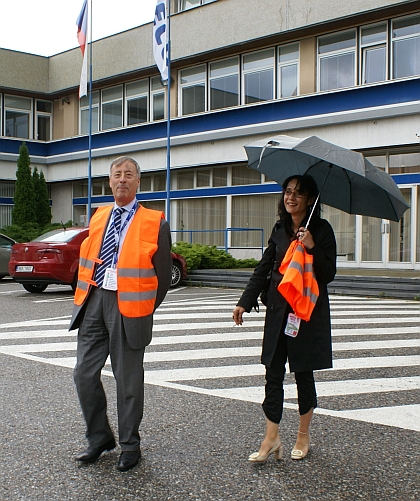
{"x":400,"y":236}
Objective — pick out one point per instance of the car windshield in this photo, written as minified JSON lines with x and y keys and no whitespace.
{"x":57,"y":236}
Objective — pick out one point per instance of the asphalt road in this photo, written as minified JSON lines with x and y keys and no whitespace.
{"x":202,"y":411}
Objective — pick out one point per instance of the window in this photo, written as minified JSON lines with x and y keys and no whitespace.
{"x":146,"y":182}
{"x":336,"y":61}
{"x":404,"y":163}
{"x":258,"y":72}
{"x":84,"y":113}
{"x":193,"y":90}
{"x":202,"y":214}
{"x":224,"y":83}
{"x":159,"y":182}
{"x":137,"y":101}
{"x":5,"y":215}
{"x":203,"y":178}
{"x":253,"y":211}
{"x":182,"y":5}
{"x":373,"y":53}
{"x":112,"y":100}
{"x":406,"y":47}
{"x":17,"y":117}
{"x":157,"y":99}
{"x":185,"y":180}
{"x":43,"y":120}
{"x":219,"y":176}
{"x":244,"y":175}
{"x":288,"y":70}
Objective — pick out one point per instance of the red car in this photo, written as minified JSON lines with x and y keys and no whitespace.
{"x":53,"y":258}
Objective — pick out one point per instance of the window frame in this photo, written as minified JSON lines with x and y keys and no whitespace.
{"x":366,"y":47}
{"x":244,"y":73}
{"x":95,"y":105}
{"x":227,"y":74}
{"x":280,"y":65}
{"x":394,"y":40}
{"x":39,"y":114}
{"x":105,"y":102}
{"x":134,"y":96}
{"x":334,"y":54}
{"x":190,"y":85}
{"x":29,"y":112}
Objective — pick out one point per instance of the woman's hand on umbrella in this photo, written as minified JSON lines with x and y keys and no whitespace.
{"x":237,"y":315}
{"x":305,"y":236}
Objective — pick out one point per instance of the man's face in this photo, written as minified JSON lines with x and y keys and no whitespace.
{"x":124,"y":182}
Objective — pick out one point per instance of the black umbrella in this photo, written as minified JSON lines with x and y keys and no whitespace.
{"x":345,"y":179}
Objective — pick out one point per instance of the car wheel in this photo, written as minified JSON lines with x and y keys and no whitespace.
{"x":176,"y":274}
{"x":35,"y":287}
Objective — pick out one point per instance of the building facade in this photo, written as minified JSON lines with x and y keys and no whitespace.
{"x":348,"y":72}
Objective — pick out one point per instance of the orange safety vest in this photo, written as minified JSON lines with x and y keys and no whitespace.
{"x":299,"y":286}
{"x":136,"y":277}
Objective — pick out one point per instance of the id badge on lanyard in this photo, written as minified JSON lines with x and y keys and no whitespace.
{"x":292,"y":326}
{"x":110,"y":279}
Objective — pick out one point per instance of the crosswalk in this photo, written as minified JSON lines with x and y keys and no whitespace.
{"x":197,"y":348}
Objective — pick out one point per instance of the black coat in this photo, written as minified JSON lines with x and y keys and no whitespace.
{"x":311,"y":349}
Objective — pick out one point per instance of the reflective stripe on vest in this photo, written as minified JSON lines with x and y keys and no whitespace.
{"x":89,"y":250}
{"x":137,"y":285}
{"x":299,"y":286}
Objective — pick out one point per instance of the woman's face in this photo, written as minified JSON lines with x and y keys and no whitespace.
{"x":296,"y":202}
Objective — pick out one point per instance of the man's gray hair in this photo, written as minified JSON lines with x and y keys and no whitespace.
{"x":120,"y":160}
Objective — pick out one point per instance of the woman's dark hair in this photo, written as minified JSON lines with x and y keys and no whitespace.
{"x":307,"y":186}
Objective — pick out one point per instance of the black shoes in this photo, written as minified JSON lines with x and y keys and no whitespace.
{"x":128,"y":459}
{"x":91,"y":454}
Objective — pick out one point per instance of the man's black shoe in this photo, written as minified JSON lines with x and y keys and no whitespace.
{"x":128,"y":459}
{"x":91,"y":454}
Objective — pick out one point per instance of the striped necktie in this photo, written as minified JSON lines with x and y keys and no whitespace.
{"x":108,"y":246}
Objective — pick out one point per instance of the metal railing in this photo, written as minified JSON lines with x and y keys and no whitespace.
{"x":227,"y":234}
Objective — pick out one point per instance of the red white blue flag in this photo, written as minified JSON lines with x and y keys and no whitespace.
{"x":160,"y":38}
{"x":82,"y":22}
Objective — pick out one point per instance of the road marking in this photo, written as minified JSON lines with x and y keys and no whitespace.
{"x":186,"y":315}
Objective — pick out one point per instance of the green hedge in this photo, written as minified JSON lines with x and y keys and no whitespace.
{"x":207,"y":257}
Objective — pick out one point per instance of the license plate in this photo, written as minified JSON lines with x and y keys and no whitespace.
{"x":26,"y":269}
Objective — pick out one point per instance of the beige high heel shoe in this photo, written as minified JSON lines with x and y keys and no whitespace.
{"x":260,"y":458}
{"x":298,"y":454}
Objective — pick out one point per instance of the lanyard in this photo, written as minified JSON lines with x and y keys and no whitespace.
{"x":118,"y":234}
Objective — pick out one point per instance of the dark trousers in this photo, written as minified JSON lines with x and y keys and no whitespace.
{"x":101,"y":333}
{"x":274,"y":393}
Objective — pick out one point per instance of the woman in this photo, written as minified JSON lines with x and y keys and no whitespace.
{"x":311,"y":349}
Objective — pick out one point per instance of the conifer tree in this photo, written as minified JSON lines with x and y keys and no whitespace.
{"x":24,"y":199}
{"x":42,"y":201}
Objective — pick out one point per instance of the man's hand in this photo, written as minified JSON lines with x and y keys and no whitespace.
{"x":237,"y":315}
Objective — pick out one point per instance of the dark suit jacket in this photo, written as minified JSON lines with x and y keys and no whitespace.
{"x":139,"y":330}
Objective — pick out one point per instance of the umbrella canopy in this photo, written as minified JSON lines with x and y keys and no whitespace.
{"x":345,"y":179}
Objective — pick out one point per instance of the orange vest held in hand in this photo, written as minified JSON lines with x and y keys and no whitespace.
{"x":299,"y":286}
{"x":136,"y":277}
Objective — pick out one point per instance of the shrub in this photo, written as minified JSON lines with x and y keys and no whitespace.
{"x":200,"y":256}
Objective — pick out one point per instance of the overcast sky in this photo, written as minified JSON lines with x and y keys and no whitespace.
{"x":47,"y":27}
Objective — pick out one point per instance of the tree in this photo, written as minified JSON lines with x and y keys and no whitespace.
{"x":24,"y":199}
{"x":42,"y":201}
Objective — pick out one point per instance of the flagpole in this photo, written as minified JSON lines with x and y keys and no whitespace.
{"x":90,"y":124}
{"x":168,"y":120}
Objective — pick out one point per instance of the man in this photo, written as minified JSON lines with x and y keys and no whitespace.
{"x":124,"y":275}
